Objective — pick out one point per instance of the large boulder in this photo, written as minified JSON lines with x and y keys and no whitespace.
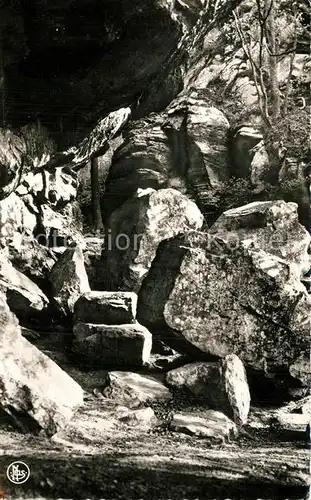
{"x":225,"y":300}
{"x":108,"y":308}
{"x":24,"y":297}
{"x":12,"y":149}
{"x":35,"y":393}
{"x":69,"y":279}
{"x":112,"y":345}
{"x":33,"y":260}
{"x":135,"y":230}
{"x":214,"y":425}
{"x":134,"y":389}
{"x":272,"y":226}
{"x":221,"y":386}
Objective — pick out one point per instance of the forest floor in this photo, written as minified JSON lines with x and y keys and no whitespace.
{"x":95,"y":458}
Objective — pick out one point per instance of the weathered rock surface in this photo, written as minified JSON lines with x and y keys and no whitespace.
{"x":113,"y":345}
{"x":142,"y":161}
{"x":143,"y":417}
{"x":95,"y":144}
{"x":12,"y":148}
{"x":134,"y":390}
{"x":302,"y":406}
{"x":17,"y":235}
{"x":33,"y":260}
{"x":135,"y":231}
{"x":35,"y":392}
{"x":16,"y":221}
{"x":301,"y":370}
{"x":221,"y":386}
{"x":59,"y":228}
{"x":222,"y":300}
{"x":25,"y":298}
{"x":184,"y":147}
{"x":206,"y":146}
{"x":272,"y":226}
{"x":69,"y":279}
{"x":250,"y":158}
{"x":92,"y":260}
{"x":214,"y":425}
{"x":108,"y":308}
{"x":55,"y":186}
{"x":245,"y":138}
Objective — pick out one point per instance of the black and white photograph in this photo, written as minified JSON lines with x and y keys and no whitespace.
{"x":155,"y":277}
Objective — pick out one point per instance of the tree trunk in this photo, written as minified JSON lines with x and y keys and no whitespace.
{"x":96,"y":208}
{"x":273,"y":60}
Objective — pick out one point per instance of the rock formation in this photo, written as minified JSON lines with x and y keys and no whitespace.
{"x":223,"y":300}
{"x":35,"y":393}
{"x":221,"y":386}
{"x":135,"y":230}
{"x":196,"y":289}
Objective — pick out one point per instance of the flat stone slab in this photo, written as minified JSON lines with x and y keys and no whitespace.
{"x":134,"y":389}
{"x":109,"y":308}
{"x":118,"y":345}
{"x":214,"y":425}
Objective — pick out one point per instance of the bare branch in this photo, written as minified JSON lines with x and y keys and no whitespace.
{"x":291,"y":68}
{"x":260,"y":87}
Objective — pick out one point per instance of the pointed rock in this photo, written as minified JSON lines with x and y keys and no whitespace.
{"x":69,"y":279}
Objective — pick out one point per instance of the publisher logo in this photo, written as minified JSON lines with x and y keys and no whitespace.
{"x":18,"y":472}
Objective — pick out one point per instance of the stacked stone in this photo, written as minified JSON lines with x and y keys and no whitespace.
{"x":106,"y":332}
